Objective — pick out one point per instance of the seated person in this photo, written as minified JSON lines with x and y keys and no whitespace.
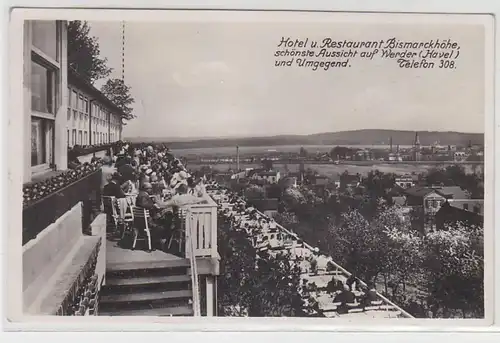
{"x":344,"y":298}
{"x":370,"y":295}
{"x":127,"y":172}
{"x":113,"y":188}
{"x":333,"y":286}
{"x":144,"y":200}
{"x":353,"y":282}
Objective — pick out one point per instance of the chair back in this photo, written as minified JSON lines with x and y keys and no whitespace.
{"x":141,"y":216}
{"x":109,"y":203}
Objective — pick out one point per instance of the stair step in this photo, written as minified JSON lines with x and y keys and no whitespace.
{"x":165,"y":311}
{"x":147,"y":265}
{"x":146,"y":296}
{"x":147,"y":280}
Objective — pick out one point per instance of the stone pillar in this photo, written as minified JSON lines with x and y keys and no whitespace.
{"x":26,"y":153}
{"x":210,"y":284}
{"x":60,"y":136}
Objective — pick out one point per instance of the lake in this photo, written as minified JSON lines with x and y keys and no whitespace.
{"x":227,"y":151}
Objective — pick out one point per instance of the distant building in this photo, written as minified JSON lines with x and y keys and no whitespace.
{"x":406,"y":181}
{"x":428,"y":200}
{"x":348,"y":181}
{"x":460,"y":156}
{"x":272,"y":176}
{"x":394,"y":157}
{"x":320,"y":180}
{"x":416,"y":148}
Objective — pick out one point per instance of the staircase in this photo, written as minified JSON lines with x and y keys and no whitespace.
{"x":160,"y":288}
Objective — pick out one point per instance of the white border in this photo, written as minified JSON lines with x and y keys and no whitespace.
{"x":279,"y":324}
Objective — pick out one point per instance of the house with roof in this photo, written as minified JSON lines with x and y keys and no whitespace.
{"x":427,"y":201}
{"x":270,"y":176}
{"x":348,"y":180}
{"x":406,"y":181}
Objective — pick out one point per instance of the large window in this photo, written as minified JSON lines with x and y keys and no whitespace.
{"x":42,"y":88}
{"x":82,"y":105}
{"x":86,"y":138}
{"x":42,"y":137}
{"x":80,"y":141}
{"x":74,"y":102}
{"x":45,"y":37}
{"x":73,"y":138}
{"x":45,"y":92}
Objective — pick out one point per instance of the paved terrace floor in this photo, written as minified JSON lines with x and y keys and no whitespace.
{"x":116,"y":255}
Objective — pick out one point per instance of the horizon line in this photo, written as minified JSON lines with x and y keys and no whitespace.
{"x":297,"y":134}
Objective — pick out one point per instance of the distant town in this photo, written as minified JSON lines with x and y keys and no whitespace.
{"x":392,"y":152}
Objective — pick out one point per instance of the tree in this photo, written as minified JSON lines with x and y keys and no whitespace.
{"x":255,"y":192}
{"x":83,"y":53}
{"x":455,"y":265}
{"x":267,"y":164}
{"x":253,"y":285}
{"x":357,"y":246}
{"x":119,"y":93}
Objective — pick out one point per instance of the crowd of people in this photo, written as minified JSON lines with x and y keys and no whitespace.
{"x":151,"y":178}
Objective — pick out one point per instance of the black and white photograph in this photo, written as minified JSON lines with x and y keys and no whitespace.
{"x":308,"y":165}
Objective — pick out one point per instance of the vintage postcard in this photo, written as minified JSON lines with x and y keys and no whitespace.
{"x":328,"y":167}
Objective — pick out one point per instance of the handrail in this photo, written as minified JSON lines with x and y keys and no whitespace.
{"x":194,"y":268}
{"x":340,"y":268}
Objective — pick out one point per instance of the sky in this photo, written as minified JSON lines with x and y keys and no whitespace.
{"x":218,"y":79}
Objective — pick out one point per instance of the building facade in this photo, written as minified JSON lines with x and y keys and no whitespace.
{"x":92,"y":119}
{"x":61,"y":109}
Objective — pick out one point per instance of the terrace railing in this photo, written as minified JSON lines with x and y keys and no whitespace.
{"x":201,"y":228}
{"x":39,"y":215}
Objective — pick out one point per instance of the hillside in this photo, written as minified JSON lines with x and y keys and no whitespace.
{"x":357,"y":137}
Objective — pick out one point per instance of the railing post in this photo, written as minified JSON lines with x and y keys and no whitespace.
{"x":213,"y":230}
{"x":187,"y":228}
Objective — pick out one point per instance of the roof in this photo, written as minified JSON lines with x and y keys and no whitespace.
{"x":267,"y":173}
{"x":77,"y":80}
{"x":397,"y":190}
{"x":418,"y":191}
{"x":452,"y":192}
{"x":265,"y":204}
{"x":470,"y":203}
